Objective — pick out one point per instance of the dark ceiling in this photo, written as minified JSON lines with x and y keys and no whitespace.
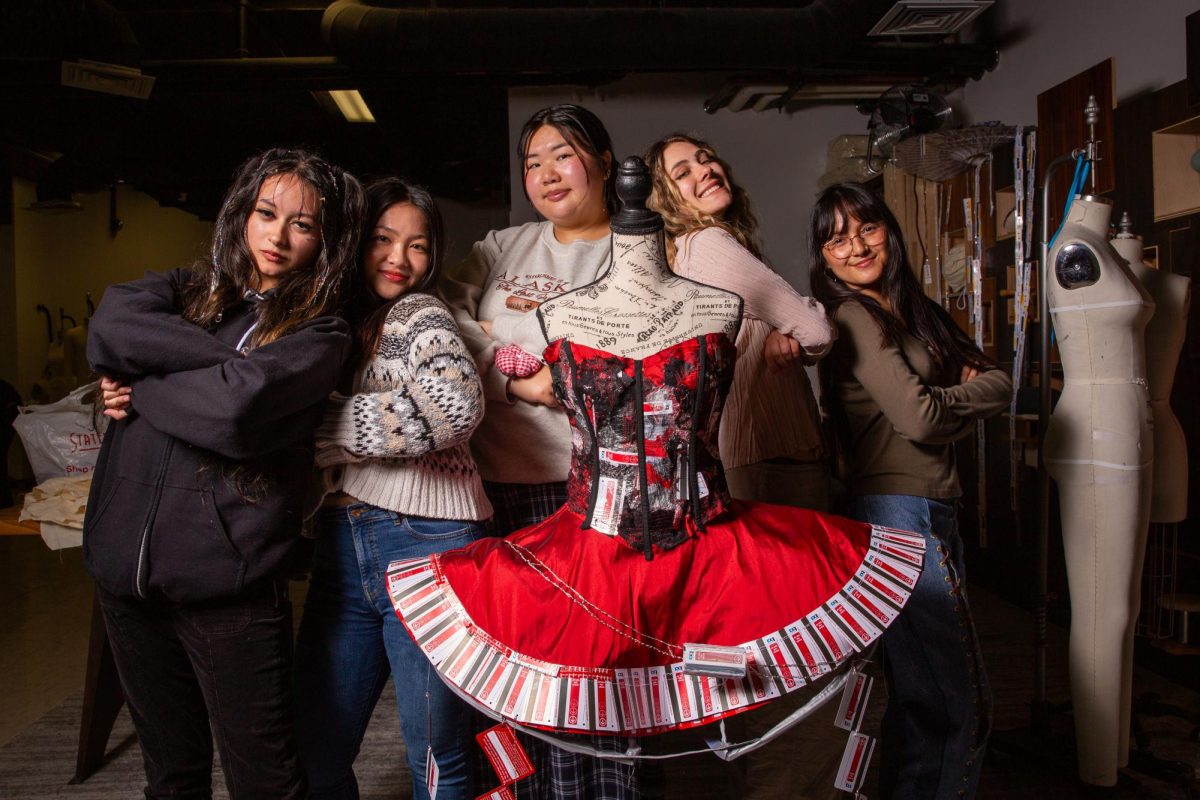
{"x":235,"y":76}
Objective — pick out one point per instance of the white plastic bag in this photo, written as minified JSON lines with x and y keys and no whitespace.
{"x":61,"y":438}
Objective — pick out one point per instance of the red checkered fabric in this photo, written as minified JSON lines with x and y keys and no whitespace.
{"x":515,"y":362}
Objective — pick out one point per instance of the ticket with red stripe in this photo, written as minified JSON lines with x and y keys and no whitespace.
{"x":885,"y":589}
{"x":499,"y":793}
{"x":902,"y":573}
{"x":875,"y":607}
{"x":913,"y":557}
{"x":853,"y":707}
{"x":813,"y":657}
{"x":505,"y":754}
{"x":855,"y":761}
{"x":853,"y":622}
{"x":829,"y":636}
{"x":913,"y":541}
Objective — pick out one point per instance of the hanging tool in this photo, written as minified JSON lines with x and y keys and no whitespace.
{"x":49,"y":322}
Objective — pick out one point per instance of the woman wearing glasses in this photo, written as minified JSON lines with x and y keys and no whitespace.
{"x":902,"y":384}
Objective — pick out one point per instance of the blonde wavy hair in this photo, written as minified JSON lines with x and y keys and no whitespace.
{"x":680,"y":218}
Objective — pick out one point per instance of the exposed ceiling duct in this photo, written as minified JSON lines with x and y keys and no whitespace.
{"x":232,"y":76}
{"x":517,"y":42}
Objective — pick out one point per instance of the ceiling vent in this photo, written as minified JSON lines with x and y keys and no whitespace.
{"x":96,"y":76}
{"x":928,"y":17}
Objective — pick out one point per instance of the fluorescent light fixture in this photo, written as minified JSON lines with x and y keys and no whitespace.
{"x":96,"y":76}
{"x":350,"y":103}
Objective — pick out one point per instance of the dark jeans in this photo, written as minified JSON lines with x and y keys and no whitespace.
{"x":225,"y":663}
{"x":936,"y":726}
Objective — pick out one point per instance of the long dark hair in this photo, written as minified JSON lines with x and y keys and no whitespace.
{"x":912,"y":311}
{"x":581,"y":129}
{"x":222,"y":278}
{"x":367,"y":312}
{"x":679,"y":218}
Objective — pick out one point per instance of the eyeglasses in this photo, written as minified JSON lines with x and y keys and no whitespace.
{"x":871,"y":234}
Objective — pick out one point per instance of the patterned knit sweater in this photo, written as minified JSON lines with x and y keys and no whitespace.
{"x":402,"y":437}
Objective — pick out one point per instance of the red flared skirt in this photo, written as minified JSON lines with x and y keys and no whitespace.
{"x":568,"y":629}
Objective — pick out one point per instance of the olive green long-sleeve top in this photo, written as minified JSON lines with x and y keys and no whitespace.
{"x":903,"y":414}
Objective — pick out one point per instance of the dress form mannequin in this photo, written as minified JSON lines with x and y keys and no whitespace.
{"x":650,"y":553}
{"x":1099,"y":450}
{"x":1165,"y":336}
{"x":639,"y":307}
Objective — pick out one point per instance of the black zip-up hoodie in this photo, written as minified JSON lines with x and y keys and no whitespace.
{"x":197,"y":495}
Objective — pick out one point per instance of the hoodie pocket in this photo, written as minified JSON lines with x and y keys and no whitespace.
{"x":191,"y":554}
{"x":110,"y":535}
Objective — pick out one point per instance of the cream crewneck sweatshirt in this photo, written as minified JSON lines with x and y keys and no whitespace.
{"x":507,"y":276}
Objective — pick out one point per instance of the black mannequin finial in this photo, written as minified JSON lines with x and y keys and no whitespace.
{"x":633,"y":188}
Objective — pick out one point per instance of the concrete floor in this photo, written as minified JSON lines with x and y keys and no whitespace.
{"x":45,"y":612}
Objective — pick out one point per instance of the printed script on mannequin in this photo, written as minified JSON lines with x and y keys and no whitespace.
{"x":1099,"y":450}
{"x":650,"y":558}
{"x":639,"y":307}
{"x":1165,"y":336}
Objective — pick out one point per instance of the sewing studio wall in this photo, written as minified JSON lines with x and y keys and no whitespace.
{"x":56,"y":260}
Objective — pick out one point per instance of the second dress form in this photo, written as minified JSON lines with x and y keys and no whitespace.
{"x":1100,"y":450}
{"x":1165,"y":335}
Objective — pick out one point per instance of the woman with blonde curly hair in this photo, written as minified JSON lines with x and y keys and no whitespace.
{"x":770,"y":438}
{"x":730,"y":211}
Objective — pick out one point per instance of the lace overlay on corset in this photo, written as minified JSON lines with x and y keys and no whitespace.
{"x":644,"y":437}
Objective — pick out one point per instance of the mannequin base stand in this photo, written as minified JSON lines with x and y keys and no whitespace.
{"x":1049,"y":742}
{"x":1127,"y":787}
{"x":1175,"y":773}
{"x":1141,"y":760}
{"x":1151,"y":705}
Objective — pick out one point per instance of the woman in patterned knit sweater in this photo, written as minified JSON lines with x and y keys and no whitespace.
{"x":396,"y":452}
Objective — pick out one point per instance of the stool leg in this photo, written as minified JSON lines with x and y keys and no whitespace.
{"x":102,"y":700}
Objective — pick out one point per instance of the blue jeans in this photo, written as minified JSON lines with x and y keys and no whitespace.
{"x":939,"y":712}
{"x":350,"y":640}
{"x":225,"y":663}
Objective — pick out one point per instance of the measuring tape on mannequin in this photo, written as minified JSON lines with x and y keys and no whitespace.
{"x":973,"y":216}
{"x":1024,"y":162}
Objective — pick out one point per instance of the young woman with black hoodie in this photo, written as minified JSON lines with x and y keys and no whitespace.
{"x":194,"y":517}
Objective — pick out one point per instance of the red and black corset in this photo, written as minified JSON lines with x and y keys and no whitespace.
{"x":644,"y":458}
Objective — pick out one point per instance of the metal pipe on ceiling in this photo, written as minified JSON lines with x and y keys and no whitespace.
{"x":531,"y":41}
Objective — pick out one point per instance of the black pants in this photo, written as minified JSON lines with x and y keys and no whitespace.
{"x":227,"y":663}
